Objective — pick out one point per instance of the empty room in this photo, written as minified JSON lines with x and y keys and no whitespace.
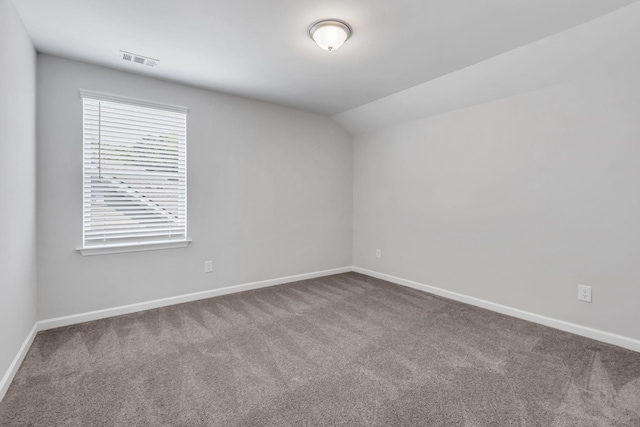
{"x":331,"y":213}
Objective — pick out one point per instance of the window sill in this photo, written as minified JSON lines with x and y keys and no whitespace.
{"x":133,"y":247}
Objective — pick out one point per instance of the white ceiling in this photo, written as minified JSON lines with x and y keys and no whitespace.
{"x":597,"y":48}
{"x":260,"y":49}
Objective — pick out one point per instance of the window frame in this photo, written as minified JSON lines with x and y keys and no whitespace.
{"x":137,"y":246}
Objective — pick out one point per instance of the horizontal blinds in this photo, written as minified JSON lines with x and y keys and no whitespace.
{"x":134,"y":187}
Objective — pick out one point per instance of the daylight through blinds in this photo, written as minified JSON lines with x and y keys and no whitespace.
{"x":134,"y":174}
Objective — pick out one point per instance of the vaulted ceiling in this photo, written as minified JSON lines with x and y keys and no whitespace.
{"x":260,"y":49}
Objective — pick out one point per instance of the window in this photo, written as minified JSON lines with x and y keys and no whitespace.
{"x":134,"y":175}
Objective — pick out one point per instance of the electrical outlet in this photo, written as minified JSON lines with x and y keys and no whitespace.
{"x":208,"y":266}
{"x":378,"y":253}
{"x":584,"y":293}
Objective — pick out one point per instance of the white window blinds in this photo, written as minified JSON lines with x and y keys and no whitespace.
{"x":135,"y":186}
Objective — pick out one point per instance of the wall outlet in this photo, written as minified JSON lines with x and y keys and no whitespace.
{"x":378,"y":253}
{"x":208,"y":266}
{"x":584,"y":293}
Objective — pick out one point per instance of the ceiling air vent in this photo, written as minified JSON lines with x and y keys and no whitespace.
{"x":138,"y":59}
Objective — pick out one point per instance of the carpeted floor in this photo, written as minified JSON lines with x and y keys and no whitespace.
{"x":342,"y":350}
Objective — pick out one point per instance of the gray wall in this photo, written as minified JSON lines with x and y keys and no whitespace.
{"x":17,"y":185}
{"x":269,"y":194}
{"x":516,"y":201}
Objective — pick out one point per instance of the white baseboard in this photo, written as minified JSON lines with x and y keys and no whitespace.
{"x":17,"y":361}
{"x":596,"y":334}
{"x":607,"y":337}
{"x":148,"y":305}
{"x":43,"y":325}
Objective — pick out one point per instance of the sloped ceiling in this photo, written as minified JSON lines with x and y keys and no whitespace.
{"x":601,"y":46}
{"x":260,"y":49}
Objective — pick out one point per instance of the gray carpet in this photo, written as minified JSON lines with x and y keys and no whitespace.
{"x":342,"y":350}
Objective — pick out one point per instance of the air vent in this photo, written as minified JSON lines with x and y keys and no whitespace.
{"x":138,"y":59}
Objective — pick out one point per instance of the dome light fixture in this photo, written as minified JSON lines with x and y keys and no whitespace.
{"x":330,"y":34}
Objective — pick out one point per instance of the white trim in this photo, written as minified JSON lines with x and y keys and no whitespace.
{"x":17,"y":361}
{"x":42,"y":325}
{"x":101,"y":96}
{"x":132,"y":247}
{"x":585,"y":331}
{"x":148,"y":305}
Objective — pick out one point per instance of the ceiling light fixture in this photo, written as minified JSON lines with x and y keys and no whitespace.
{"x":330,"y":34}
